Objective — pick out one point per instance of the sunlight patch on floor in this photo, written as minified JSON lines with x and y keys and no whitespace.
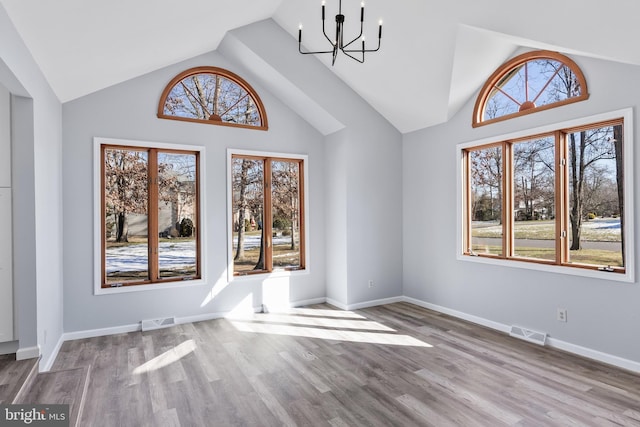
{"x":317,"y":321}
{"x":329,"y":334}
{"x":321,"y":313}
{"x":166,"y":358}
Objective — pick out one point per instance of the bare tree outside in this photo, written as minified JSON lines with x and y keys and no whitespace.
{"x":594,"y":164}
{"x":126,"y":189}
{"x":534,"y":197}
{"x":486,"y":167}
{"x":248,"y":196}
{"x":127,"y":185}
{"x":594,"y":171}
{"x":529,"y":85}
{"x":285,"y":197}
{"x":177,"y":210}
{"x":266,"y":199}
{"x":209,"y":96}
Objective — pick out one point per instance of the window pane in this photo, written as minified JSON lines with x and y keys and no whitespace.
{"x":534,"y":198}
{"x":596,"y":196}
{"x":499,"y":105}
{"x":177,"y":220}
{"x":126,"y":200}
{"x":192,"y":97}
{"x":485,"y":186}
{"x":531,"y":84}
{"x":248,"y":210}
{"x":212,"y":97}
{"x":235,"y":105}
{"x":285,"y":200}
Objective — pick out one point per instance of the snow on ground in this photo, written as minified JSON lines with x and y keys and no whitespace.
{"x":253,"y":241}
{"x":602,"y":224}
{"x":171,"y":255}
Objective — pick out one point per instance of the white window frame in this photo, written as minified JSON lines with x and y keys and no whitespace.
{"x":275,"y":273}
{"x":97,"y":219}
{"x":629,"y":233}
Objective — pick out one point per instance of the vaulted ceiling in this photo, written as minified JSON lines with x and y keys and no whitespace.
{"x":434,"y":55}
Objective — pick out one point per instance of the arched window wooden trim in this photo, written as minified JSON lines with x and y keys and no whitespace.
{"x":223,"y":73}
{"x":500,"y":73}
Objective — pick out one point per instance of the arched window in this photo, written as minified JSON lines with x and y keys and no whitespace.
{"x":531,"y":82}
{"x":212,"y":95}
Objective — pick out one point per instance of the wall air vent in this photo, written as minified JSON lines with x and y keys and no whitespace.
{"x":528,"y":335}
{"x":151,"y":324}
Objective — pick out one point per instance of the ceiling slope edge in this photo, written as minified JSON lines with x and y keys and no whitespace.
{"x":236,"y":46}
{"x":478,"y":53}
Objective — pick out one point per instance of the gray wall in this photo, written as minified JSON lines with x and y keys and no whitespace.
{"x":355,"y":205}
{"x":37,"y":194}
{"x":362,"y":172}
{"x":603,"y":315}
{"x":128,"y":111}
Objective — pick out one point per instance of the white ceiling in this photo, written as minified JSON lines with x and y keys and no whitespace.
{"x":434,"y":55}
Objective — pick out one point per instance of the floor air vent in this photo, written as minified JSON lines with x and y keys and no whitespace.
{"x":528,"y":335}
{"x":151,"y":324}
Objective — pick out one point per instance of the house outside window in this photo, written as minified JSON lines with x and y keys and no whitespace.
{"x":560,"y":195}
{"x":149,"y":221}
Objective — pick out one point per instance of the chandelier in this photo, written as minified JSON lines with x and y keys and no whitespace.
{"x":338,"y":43}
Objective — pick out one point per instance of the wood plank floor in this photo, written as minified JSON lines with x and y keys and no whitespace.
{"x":393,"y":365}
{"x":62,"y":387}
{"x":13,"y":375}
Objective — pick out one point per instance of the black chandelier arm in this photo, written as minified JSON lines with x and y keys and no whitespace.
{"x":361,"y":30}
{"x":359,"y":36}
{"x":353,"y":57}
{"x":313,"y":53}
{"x":310,"y":52}
{"x":323,"y":30}
{"x":362,"y":50}
{"x":338,"y":44}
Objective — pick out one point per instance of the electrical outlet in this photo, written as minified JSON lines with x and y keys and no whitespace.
{"x":562,"y":315}
{"x":371,"y":283}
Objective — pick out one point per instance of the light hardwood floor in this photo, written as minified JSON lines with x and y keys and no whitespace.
{"x":393,"y":365}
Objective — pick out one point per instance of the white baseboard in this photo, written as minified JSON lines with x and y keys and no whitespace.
{"x":460,"y":315}
{"x":91,"y":333}
{"x":364,"y":304}
{"x":337,"y":304}
{"x":551,"y":342}
{"x":589,"y":353}
{"x":620,"y":362}
{"x":202,"y":317}
{"x":306,"y":302}
{"x":374,"y":303}
{"x":28,"y":353}
{"x":46,"y":365}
